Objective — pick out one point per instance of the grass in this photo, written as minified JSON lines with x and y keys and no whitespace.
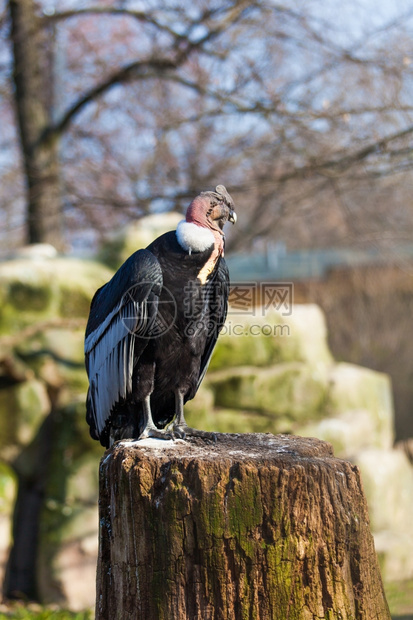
{"x":36,"y":612}
{"x":400,"y":599}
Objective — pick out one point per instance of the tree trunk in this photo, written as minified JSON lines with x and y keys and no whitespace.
{"x":33,"y":79}
{"x":249,"y":527}
{"x":32,"y":468}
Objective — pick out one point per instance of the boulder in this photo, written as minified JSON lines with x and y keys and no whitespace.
{"x":388,"y":483}
{"x":293,"y":390}
{"x":354,"y":388}
{"x":34,"y":291}
{"x":119,"y":246}
{"x":346,"y":405}
{"x":7,"y":499}
{"x":23,"y":408}
{"x":269,"y":337}
{"x":69,"y":522}
{"x":359,"y":411}
{"x":45,"y":303}
{"x":56,"y":356}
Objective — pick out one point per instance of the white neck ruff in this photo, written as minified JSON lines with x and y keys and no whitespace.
{"x":193,"y":238}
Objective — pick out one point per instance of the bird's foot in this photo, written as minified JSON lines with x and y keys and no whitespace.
{"x":181,"y":431}
{"x":156,"y":433}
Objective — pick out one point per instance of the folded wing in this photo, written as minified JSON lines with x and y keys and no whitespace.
{"x":123,"y":317}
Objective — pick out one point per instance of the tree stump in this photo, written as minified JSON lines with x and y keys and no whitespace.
{"x":251,"y":526}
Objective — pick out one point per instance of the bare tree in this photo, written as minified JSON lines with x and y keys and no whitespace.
{"x":299,"y":114}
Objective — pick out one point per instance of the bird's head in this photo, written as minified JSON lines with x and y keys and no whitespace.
{"x":212,"y":209}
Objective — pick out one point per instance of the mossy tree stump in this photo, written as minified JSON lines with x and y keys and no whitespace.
{"x":249,"y":527}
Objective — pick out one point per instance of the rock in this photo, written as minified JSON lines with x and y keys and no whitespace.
{"x":344,"y":404}
{"x":225,"y":420}
{"x":388,"y":482}
{"x":309,"y":332}
{"x":291,"y":390}
{"x":56,"y":356}
{"x":135,"y":236}
{"x":349,"y":432}
{"x":23,"y":407}
{"x":35,"y":291}
{"x":35,"y":251}
{"x":354,"y":388}
{"x":394,"y":552}
{"x":7,"y":498}
{"x":66,"y":556}
{"x":268,"y":337}
{"x":199,"y":408}
{"x":359,"y":411}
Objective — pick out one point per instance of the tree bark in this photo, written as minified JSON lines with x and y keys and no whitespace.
{"x":249,"y":527}
{"x":33,"y":80}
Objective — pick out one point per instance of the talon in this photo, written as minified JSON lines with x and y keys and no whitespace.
{"x":183,"y":431}
{"x":156,"y":433}
{"x":180,"y":432}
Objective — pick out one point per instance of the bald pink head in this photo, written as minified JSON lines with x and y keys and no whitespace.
{"x":197,"y":212}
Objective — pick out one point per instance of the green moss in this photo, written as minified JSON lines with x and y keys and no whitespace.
{"x":22,"y":409}
{"x":244,"y":509}
{"x":111,"y":253}
{"x":245,"y":350}
{"x":7,"y":489}
{"x":209,"y":512}
{"x":71,"y":446}
{"x":23,"y":295}
{"x":294,"y":390}
{"x":222,"y":420}
{"x":74,"y":303}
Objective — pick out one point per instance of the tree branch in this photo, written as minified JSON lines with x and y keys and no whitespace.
{"x":145,"y":69}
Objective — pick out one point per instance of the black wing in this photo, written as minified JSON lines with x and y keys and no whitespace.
{"x":122,"y":316}
{"x":217,"y":298}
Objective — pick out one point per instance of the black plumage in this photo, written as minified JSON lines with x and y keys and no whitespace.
{"x":153,"y":327}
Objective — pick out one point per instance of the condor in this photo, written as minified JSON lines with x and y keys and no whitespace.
{"x":152,"y":328}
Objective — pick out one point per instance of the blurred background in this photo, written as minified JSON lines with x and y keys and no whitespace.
{"x":113,"y":116}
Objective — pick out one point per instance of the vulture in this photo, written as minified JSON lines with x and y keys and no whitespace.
{"x":152,"y":328}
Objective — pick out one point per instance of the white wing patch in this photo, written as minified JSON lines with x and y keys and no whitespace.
{"x":110,"y":359}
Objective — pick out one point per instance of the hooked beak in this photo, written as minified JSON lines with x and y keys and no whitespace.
{"x":232,"y":217}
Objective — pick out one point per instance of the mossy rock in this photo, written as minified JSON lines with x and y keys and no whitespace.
{"x":23,"y":407}
{"x":221,"y":420}
{"x":290,"y":390}
{"x":7,"y":489}
{"x":388,"y":484}
{"x":268,"y":337}
{"x":355,"y":389}
{"x":8,"y":492}
{"x":200,"y":406}
{"x":56,"y":356}
{"x":69,"y":516}
{"x":360,"y":412}
{"x":116,"y":249}
{"x":349,"y":432}
{"x":33,"y":291}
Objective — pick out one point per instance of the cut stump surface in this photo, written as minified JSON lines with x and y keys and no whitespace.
{"x":248,"y":527}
